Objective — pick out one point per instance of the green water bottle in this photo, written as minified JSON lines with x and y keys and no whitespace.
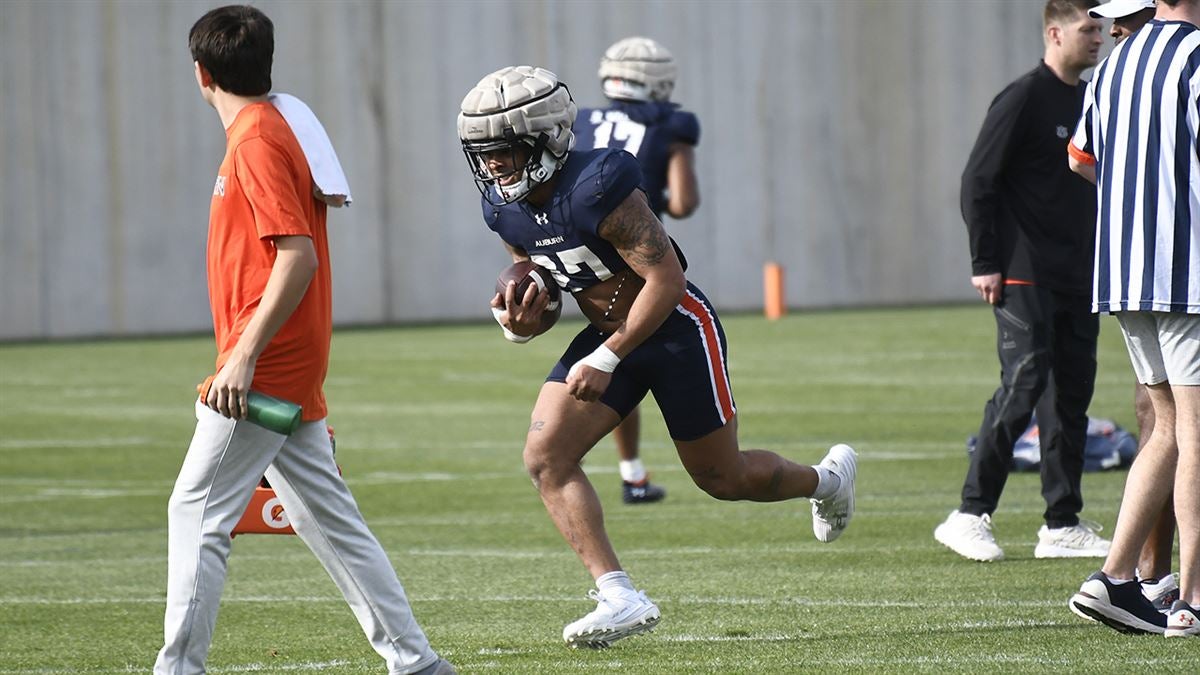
{"x":268,"y":412}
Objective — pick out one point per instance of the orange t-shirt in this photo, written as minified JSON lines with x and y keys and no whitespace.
{"x":264,"y":190}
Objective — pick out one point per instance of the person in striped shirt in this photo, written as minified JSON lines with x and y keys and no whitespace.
{"x":1138,"y":141}
{"x":1154,"y":563}
{"x":1029,"y":225}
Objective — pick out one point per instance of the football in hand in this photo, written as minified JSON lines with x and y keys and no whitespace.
{"x":525,"y":273}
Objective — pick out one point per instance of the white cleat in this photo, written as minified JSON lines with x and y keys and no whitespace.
{"x":832,"y":514}
{"x":969,"y":536}
{"x":619,"y":615}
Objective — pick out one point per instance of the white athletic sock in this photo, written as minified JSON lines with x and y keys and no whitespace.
{"x":1117,"y":581}
{"x":828,"y":483}
{"x":632,"y":471}
{"x":614,"y":581}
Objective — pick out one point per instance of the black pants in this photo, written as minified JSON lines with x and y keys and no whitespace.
{"x":1047,"y":346}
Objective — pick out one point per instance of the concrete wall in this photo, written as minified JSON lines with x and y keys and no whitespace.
{"x":833,"y":136}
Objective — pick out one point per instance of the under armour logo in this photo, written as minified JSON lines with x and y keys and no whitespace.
{"x":1062,"y":131}
{"x":541,"y":219}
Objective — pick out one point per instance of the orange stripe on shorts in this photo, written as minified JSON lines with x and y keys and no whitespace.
{"x":712,"y":347}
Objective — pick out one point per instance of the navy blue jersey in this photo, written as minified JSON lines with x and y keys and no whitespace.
{"x":645,"y":130}
{"x":562,"y":236}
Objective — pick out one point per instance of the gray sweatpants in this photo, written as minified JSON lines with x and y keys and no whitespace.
{"x":222,"y":467}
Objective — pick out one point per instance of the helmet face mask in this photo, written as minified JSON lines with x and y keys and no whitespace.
{"x":523,"y":157}
{"x":625,"y":90}
{"x":517,"y":120}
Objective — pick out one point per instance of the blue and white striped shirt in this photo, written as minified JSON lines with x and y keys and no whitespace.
{"x":1141,"y":130}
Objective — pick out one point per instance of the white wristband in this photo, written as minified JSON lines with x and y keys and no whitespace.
{"x":508,"y":334}
{"x":603,"y":359}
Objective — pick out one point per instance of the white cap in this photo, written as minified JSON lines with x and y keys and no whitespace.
{"x":1119,"y":9}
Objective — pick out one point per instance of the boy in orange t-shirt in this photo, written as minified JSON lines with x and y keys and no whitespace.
{"x":269,"y":287}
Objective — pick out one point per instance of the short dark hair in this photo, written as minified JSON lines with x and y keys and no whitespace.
{"x":1065,"y":10}
{"x":235,"y":44}
{"x":1171,"y":3}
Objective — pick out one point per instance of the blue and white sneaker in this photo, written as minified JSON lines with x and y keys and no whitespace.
{"x":1121,"y":607}
{"x":641,"y":492}
{"x":618,"y":614}
{"x":832,"y":514}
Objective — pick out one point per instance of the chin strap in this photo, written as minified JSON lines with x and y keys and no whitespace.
{"x":538,"y":173}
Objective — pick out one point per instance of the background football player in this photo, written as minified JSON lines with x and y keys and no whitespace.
{"x":638,"y":75}
{"x":583,"y":216}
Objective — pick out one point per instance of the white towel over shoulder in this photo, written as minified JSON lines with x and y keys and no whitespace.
{"x":329,"y":181}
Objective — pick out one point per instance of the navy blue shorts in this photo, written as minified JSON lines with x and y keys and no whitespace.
{"x":683,"y":364}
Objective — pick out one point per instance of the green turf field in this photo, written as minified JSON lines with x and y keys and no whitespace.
{"x":430,"y":423}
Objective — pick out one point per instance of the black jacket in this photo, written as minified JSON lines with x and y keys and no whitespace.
{"x":1029,"y":217}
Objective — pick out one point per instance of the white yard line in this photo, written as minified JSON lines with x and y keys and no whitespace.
{"x":661,"y":600}
{"x":273,"y":667}
{"x":73,"y":443}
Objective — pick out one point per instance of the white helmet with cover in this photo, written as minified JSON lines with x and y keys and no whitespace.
{"x":638,"y":69}
{"x":517,"y":105}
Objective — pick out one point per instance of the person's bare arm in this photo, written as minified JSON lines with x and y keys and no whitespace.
{"x":642,"y":242}
{"x":682,"y":187}
{"x":295,"y":264}
{"x":1088,"y":171}
{"x":518,"y":254}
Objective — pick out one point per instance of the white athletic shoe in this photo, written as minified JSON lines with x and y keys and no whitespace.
{"x":1183,"y":621}
{"x":618,"y":614}
{"x":1079,"y":541}
{"x":1162,"y":593}
{"x":969,"y":536}
{"x":832,"y":514}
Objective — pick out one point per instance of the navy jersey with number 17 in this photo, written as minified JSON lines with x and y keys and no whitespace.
{"x":643,"y":129}
{"x":562,"y":235}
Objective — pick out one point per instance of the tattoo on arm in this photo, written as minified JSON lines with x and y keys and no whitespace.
{"x":537,"y":425}
{"x":636,"y":232}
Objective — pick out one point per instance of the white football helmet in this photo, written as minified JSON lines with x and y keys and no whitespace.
{"x":517,"y":105}
{"x":638,"y":69}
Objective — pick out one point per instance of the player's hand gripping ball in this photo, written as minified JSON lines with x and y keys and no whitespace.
{"x":526,"y":273}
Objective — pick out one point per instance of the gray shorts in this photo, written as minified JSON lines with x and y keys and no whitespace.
{"x":1164,"y":347}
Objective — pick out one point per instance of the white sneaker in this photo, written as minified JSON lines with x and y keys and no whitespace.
{"x":969,"y":536}
{"x":832,"y":514}
{"x":1078,"y":541}
{"x":1162,"y":593}
{"x":617,"y":615}
{"x":1183,"y":621}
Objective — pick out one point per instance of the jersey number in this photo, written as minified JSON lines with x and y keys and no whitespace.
{"x":573,"y":259}
{"x":618,"y":127}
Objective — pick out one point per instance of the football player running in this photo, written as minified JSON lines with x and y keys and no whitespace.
{"x":583,"y":216}
{"x":638,"y":75}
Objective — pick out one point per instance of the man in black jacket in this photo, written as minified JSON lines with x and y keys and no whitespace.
{"x":1031,"y":225}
